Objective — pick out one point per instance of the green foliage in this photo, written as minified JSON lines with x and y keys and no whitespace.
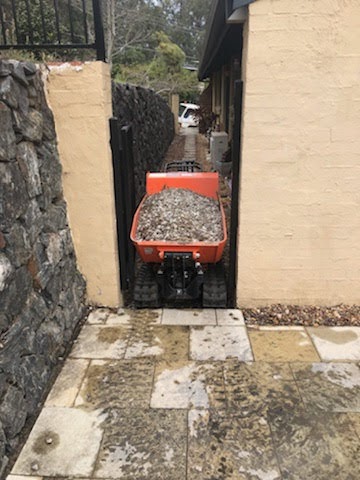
{"x":186,"y":20}
{"x":165,"y":73}
{"x":169,"y":58}
{"x":135,"y":21}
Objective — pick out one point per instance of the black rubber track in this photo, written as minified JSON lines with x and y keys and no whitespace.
{"x":146,"y":290}
{"x":214,"y":289}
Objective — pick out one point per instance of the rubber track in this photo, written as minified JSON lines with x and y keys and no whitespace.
{"x":214,"y":289}
{"x":146,"y":291}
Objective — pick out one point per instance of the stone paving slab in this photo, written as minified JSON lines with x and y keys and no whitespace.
{"x":355,"y":420}
{"x":102,"y":316}
{"x":117,"y":384}
{"x":159,"y":342}
{"x":226,"y":446}
{"x":98,"y":316}
{"x":22,"y":477}
{"x":135,"y":317}
{"x":142,"y":400}
{"x":230,"y":317}
{"x":220,"y":343}
{"x":67,"y":385}
{"x":143,"y":444}
{"x":63,"y":442}
{"x":336,"y":343}
{"x":188,"y":385}
{"x":282,"y":345}
{"x":333,"y":387}
{"x":101,"y":342}
{"x":260,"y":387}
{"x":315,"y":447}
{"x":188,"y":317}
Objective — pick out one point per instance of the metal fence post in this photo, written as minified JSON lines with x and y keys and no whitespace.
{"x":99,"y":31}
{"x":122,"y":154}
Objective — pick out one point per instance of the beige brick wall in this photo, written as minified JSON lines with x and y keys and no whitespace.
{"x":80,"y":97}
{"x":300,"y":217}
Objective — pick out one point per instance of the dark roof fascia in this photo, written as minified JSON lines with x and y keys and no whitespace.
{"x":217,"y":29}
{"x":207,"y":67}
{"x":215,"y":23}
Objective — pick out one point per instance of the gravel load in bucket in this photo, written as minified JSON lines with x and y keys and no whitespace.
{"x":180,"y":215}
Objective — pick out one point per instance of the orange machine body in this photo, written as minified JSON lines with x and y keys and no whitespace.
{"x":205,"y":183}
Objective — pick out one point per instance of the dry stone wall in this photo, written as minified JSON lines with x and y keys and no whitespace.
{"x":153,"y":128}
{"x":41,"y":289}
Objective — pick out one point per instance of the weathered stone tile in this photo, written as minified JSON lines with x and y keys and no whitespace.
{"x":277,"y":328}
{"x":68,"y":383}
{"x":259,"y":387}
{"x":63,"y":442}
{"x":355,"y":420}
{"x":224,"y":446}
{"x":98,"y":316}
{"x":337,"y":343}
{"x":101,"y":342}
{"x":188,"y":317}
{"x":334,"y":387}
{"x":230,"y":317}
{"x":135,"y":317}
{"x":143,"y":444}
{"x":188,"y":385}
{"x":220,"y":343}
{"x":119,"y":318}
{"x":165,"y":343}
{"x":315,"y":446}
{"x":119,"y":384}
{"x":282,"y":346}
{"x":22,"y":477}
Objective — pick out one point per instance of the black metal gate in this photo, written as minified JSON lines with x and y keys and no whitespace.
{"x":52,"y":25}
{"x":235,"y":192}
{"x":124,"y":188}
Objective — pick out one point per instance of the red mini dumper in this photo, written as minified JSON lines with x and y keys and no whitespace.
{"x":174,"y":271}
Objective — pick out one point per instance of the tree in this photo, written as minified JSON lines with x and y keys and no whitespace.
{"x":187,"y":22}
{"x":131,"y":24}
{"x":165,"y":73}
{"x":130,"y":27}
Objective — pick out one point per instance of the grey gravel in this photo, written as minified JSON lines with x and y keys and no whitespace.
{"x":309,"y":315}
{"x":180,"y":215}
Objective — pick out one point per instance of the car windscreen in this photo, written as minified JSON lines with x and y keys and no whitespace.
{"x":189,"y":112}
{"x":181,"y":110}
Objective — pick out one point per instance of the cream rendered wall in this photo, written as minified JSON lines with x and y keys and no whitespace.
{"x":80,"y":97}
{"x":300,"y":194}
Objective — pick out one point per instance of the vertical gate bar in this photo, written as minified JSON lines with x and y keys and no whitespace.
{"x":57,"y":20}
{"x":119,"y":180}
{"x":29,"y":22}
{"x":235,"y":193}
{"x":86,"y":33}
{"x":2,"y":24}
{"x":128,"y":168}
{"x":99,"y":31}
{"x":71,"y":22}
{"x":43,"y":21}
{"x":13,"y":6}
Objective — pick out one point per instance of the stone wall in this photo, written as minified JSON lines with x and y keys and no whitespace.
{"x":41,"y":290}
{"x":153,"y":128}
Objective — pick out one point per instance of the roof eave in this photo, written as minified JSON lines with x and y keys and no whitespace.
{"x":221,"y":17}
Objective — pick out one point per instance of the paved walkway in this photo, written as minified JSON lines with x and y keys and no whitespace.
{"x":176,"y":394}
{"x":190,"y":143}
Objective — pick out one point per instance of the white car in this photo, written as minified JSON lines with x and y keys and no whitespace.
{"x":187,"y":115}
